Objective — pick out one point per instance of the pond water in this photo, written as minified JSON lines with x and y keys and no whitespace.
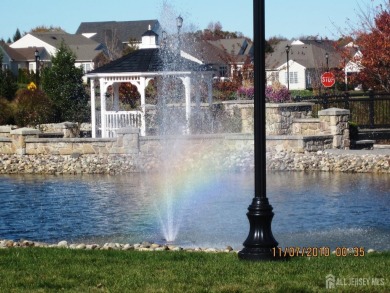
{"x":311,"y":209}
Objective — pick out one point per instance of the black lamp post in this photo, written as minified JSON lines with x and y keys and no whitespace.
{"x":179,"y":24}
{"x":260,"y":243}
{"x":288,"y":47}
{"x":36,"y":53}
{"x":327,"y":61}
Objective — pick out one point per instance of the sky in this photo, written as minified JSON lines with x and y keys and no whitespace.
{"x":286,"y":18}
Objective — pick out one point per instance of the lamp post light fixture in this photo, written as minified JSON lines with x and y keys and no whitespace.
{"x":179,"y":24}
{"x":288,"y":48}
{"x":327,"y":61}
{"x":260,"y":243}
{"x":37,"y":58}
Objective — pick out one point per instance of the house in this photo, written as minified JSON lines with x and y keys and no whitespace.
{"x":116,"y":35}
{"x":22,"y":58}
{"x":304,"y":60}
{"x":226,"y":57}
{"x":238,"y":52}
{"x":85,"y":50}
{"x":215,"y":58}
{"x":353,"y":65}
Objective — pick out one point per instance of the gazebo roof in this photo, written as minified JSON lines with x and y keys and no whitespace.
{"x":149,"y":60}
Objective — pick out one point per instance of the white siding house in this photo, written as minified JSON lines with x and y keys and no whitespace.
{"x":306,"y":62}
{"x":297,"y":73}
{"x":85,"y":50}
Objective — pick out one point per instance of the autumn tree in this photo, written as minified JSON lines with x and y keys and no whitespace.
{"x":32,"y":106}
{"x":372,"y":39}
{"x":44,"y":29}
{"x":214,"y":32}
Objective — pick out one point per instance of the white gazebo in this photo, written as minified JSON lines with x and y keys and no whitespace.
{"x":138,"y":68}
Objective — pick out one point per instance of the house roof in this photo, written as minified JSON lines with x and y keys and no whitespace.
{"x":84,"y":48}
{"x":29,"y":53}
{"x":24,"y":54}
{"x":123,"y":30}
{"x":308,"y":53}
{"x":12,"y":53}
{"x":206,"y":52}
{"x":149,"y":60}
{"x":235,"y":46}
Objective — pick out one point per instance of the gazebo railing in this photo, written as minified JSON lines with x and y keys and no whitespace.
{"x":115,"y":120}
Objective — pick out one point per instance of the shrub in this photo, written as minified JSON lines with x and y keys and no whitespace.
{"x":32,"y":106}
{"x":6,"y":114}
{"x":277,"y":94}
{"x":8,"y":84}
{"x":246,"y":93}
{"x":225,"y":90}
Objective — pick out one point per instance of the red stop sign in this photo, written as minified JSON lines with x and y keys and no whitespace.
{"x":327,"y":79}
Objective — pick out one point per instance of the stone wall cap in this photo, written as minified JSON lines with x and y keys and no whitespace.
{"x":333,"y":112}
{"x":306,"y":120}
{"x":7,"y":128}
{"x":70,"y":140}
{"x":127,"y":130}
{"x":238,"y":102}
{"x":68,"y":124}
{"x":284,"y":105}
{"x":25,"y":131}
{"x":298,"y":137}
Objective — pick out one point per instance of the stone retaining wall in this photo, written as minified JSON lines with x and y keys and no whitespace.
{"x":233,"y":161}
{"x":280,"y":117}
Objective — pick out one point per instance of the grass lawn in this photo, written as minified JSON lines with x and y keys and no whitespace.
{"x":67,"y":270}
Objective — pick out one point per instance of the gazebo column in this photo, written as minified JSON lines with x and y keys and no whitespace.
{"x":197,"y":93}
{"x":103,"y":89}
{"x":209,"y":90}
{"x":116,"y":96}
{"x":187,"y":86}
{"x":141,"y":87}
{"x":93,"y":108}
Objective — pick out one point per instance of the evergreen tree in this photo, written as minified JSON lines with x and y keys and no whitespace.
{"x":17,"y":35}
{"x":8,"y":85}
{"x":63,"y":83}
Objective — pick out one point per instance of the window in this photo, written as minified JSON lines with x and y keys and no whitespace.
{"x":86,"y":67}
{"x":273,"y":76}
{"x":293,"y":77}
{"x":222,"y":71}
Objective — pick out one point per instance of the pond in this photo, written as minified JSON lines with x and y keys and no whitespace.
{"x":311,"y":209}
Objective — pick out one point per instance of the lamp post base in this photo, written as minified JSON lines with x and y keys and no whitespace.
{"x":260,"y":243}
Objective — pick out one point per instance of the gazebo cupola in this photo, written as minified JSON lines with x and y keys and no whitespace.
{"x":149,"y":39}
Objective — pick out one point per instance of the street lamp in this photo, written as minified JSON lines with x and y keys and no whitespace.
{"x":179,"y":24}
{"x":327,"y":61}
{"x":288,"y":47}
{"x":260,"y":243}
{"x":36,"y":54}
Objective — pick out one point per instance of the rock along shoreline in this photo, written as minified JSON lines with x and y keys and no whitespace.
{"x":369,"y":161}
{"x":144,"y":246}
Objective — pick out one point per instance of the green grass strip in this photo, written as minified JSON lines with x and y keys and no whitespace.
{"x":67,"y":270}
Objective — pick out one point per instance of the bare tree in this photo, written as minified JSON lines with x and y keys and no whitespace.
{"x":113,"y":44}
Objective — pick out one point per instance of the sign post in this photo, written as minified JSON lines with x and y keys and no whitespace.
{"x":328,"y":79}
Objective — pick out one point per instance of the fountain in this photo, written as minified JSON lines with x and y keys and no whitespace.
{"x":194,"y":206}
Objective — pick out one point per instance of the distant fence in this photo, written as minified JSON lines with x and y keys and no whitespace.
{"x":368,"y":110}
